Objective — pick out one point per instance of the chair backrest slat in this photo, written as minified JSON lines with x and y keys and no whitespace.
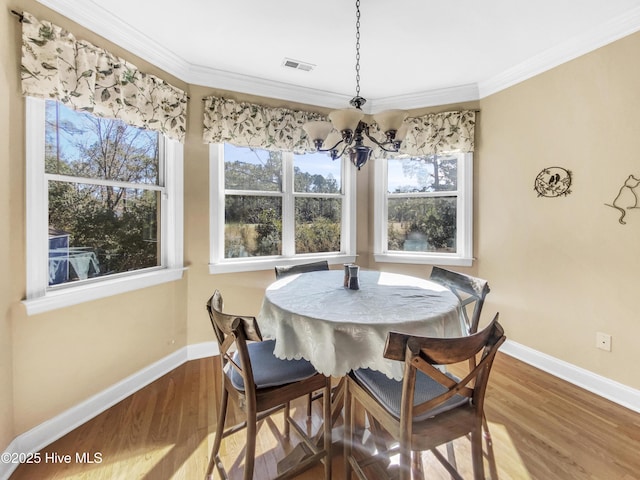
{"x":225,"y":324}
{"x":442,"y":350}
{"x":422,"y":354}
{"x":234,"y":330}
{"x":469,"y":290}
{"x":284,"y":270}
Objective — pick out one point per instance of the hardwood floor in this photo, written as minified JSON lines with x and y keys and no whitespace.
{"x":542,"y":428}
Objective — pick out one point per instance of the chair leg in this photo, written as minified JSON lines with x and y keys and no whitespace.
{"x":348,"y":432}
{"x":405,"y":462}
{"x":405,"y":451}
{"x":493,"y":468}
{"x":418,"y":471}
{"x":476,"y":453}
{"x":378,"y":436}
{"x":287,"y":419}
{"x":326,"y":407}
{"x":309,"y":404}
{"x":451,"y":455}
{"x":250,"y":449}
{"x":222,"y":414}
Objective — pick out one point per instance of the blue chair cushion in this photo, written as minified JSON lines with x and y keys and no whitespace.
{"x":388,"y":392}
{"x":269,"y":371}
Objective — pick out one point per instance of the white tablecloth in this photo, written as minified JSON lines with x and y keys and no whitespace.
{"x":313,"y":316}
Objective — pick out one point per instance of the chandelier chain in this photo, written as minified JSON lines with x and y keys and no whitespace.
{"x":355,"y":140}
{"x":357,"y":48}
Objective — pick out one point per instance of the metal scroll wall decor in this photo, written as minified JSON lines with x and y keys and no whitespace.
{"x":553,"y":182}
{"x":627,"y":198}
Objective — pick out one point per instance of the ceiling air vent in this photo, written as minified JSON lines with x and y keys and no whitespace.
{"x":298,"y":65}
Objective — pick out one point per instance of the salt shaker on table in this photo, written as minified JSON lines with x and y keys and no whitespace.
{"x":354,"y":280}
{"x":346,"y":274}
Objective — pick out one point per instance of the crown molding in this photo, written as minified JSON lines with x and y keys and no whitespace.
{"x":598,"y":37}
{"x":235,"y":82}
{"x":100,"y":21}
{"x":430,"y":98}
{"x":210,"y":77}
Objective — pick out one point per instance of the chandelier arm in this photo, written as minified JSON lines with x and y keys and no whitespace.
{"x":334,"y":150}
{"x":344,"y":149}
{"x":320,"y":149}
{"x":394,"y":149}
{"x":395,"y":145}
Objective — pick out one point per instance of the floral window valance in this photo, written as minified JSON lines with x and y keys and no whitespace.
{"x":84,"y":77}
{"x":252,"y":125}
{"x":444,"y":132}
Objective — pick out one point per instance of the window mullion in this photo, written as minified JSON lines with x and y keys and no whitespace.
{"x":465,"y":205}
{"x":104,"y":182}
{"x":318,"y":195}
{"x":381,"y":201}
{"x":217,"y":202}
{"x":288,"y":206}
{"x":251,"y":193}
{"x":171,"y":215}
{"x":37,"y":201}
{"x":441,"y":193}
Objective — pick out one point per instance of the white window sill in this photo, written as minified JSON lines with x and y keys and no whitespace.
{"x":252,"y":264}
{"x":425,"y":259}
{"x":73,"y":295}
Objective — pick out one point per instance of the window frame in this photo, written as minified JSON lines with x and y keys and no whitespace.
{"x":39,"y":296}
{"x":219,"y":264}
{"x":464,"y":219}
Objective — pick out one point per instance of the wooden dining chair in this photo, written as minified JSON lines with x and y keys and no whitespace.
{"x":284,"y":270}
{"x":471,"y":292}
{"x":427,"y":408}
{"x":261,"y":384}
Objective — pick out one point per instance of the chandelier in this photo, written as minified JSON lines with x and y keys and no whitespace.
{"x":347,"y":132}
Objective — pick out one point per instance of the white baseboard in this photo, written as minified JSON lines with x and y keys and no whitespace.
{"x":202,"y":350}
{"x":54,"y":428}
{"x":616,"y":392}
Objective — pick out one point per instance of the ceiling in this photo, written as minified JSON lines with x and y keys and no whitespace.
{"x":414,"y":53}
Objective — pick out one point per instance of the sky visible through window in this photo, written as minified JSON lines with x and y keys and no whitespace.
{"x":397,"y":178}
{"x":70,"y":134}
{"x":71,"y":130}
{"x":316,"y":163}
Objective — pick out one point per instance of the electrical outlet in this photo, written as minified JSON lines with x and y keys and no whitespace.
{"x":603,"y":341}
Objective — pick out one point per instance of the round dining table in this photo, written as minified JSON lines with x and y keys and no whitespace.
{"x":313,"y":316}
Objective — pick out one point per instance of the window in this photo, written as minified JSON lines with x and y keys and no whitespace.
{"x":272,"y":207}
{"x":104,"y":206}
{"x":424,"y":210}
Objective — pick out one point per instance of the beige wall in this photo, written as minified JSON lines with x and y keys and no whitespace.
{"x":8,"y":85}
{"x":560,"y":269}
{"x":52,"y":361}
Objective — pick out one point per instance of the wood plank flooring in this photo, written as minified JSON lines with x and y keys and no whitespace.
{"x":542,"y":428}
